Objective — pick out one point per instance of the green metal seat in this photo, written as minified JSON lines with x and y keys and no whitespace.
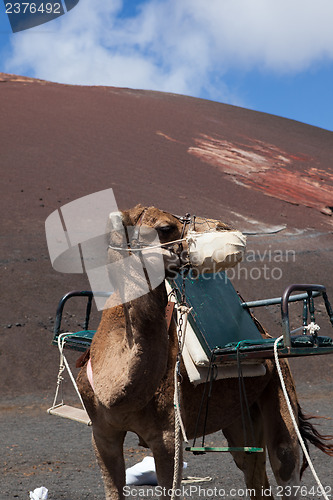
{"x":217,"y":316}
{"x":81,"y":340}
{"x":222,"y":321}
{"x":228,"y":332}
{"x":78,"y":341}
{"x":225,"y":328}
{"x":223,"y":325}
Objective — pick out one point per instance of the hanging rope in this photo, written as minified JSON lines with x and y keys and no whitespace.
{"x":293,"y":419}
{"x":243,"y":399}
{"x":62,"y":365}
{"x":212,"y":374}
{"x":178,"y":444}
{"x":182,"y":324}
{"x":200,"y":409}
{"x":179,"y":425}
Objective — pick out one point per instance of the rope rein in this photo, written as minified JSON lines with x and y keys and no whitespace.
{"x":186,"y":220}
{"x":293,"y":419}
{"x":145,"y":247}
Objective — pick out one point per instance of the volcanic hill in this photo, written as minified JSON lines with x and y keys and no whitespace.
{"x":268,"y":176}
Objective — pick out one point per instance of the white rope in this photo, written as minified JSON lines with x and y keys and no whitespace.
{"x":150,"y":247}
{"x":176,"y":401}
{"x":177,"y":457}
{"x":59,"y":381}
{"x":162,"y":245}
{"x":312,"y":328}
{"x":179,"y":425}
{"x":305,"y":451}
{"x":64,"y":364}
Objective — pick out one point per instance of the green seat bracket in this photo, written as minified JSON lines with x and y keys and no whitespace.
{"x":201,"y":450}
{"x":78,"y":341}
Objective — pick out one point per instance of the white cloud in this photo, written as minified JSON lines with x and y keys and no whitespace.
{"x":176,"y":45}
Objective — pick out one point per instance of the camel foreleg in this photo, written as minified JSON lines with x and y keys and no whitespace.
{"x":163,"y":448}
{"x":109,"y":453}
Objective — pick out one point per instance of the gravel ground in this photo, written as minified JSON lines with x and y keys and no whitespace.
{"x":43,"y":450}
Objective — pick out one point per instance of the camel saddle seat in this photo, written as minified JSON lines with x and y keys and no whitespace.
{"x":216,"y":321}
{"x":217,"y":317}
{"x":221,"y":329}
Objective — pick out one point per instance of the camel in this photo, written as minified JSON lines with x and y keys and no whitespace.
{"x":132,"y":359}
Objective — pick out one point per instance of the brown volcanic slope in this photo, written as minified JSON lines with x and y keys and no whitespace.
{"x":58,"y":143}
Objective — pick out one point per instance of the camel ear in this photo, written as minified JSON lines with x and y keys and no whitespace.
{"x":221,"y":226}
{"x":131,"y":216}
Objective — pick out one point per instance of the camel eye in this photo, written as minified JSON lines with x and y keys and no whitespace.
{"x":165,"y":229}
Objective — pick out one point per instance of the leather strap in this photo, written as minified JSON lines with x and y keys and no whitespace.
{"x":169,"y":313}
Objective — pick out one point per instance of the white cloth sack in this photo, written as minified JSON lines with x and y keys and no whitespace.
{"x":39,"y":493}
{"x":215,"y":251}
{"x":143,"y":473}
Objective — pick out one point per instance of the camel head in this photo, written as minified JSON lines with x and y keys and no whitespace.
{"x":206,"y":245}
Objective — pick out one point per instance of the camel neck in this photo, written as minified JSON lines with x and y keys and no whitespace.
{"x":147,"y":311}
{"x":133,"y":340}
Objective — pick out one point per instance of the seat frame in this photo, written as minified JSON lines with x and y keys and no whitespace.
{"x":262,"y":348}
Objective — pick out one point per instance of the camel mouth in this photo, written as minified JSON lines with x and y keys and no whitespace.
{"x":207,"y":252}
{"x":175,"y":262}
{"x":210,"y":251}
{"x":149,"y":247}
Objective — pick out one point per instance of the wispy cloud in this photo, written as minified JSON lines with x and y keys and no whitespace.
{"x":177,"y":46}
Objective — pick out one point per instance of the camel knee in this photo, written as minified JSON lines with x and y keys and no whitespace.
{"x":284,"y":453}
{"x":288,"y":462}
{"x":163,"y":448}
{"x":285,"y":461}
{"x":253,"y":467}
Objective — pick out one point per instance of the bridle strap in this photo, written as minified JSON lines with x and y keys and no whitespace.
{"x":169,"y":313}
{"x":185,"y":220}
{"x":151,"y":247}
{"x":136,"y":233}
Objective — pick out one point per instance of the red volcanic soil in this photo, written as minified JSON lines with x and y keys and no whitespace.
{"x":268,"y":176}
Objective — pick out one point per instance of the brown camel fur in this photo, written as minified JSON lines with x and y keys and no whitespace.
{"x":133,"y":358}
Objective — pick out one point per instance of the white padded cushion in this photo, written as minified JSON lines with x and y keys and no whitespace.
{"x":198,"y":374}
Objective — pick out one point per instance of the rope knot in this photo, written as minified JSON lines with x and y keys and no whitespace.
{"x":312,"y":328}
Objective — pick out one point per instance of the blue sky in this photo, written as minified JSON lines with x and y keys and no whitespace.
{"x":267,"y":55}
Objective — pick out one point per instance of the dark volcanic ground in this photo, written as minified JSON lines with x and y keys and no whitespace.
{"x":42,"y":450}
{"x":58,"y":143}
